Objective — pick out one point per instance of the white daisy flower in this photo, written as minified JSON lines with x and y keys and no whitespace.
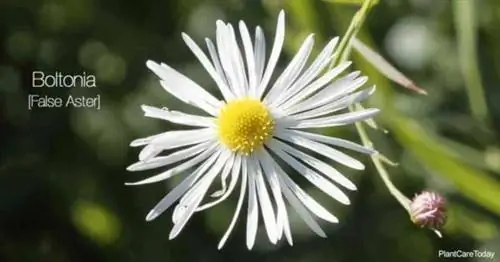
{"x":257,"y":122}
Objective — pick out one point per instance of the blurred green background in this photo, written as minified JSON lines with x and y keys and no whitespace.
{"x":62,"y":171}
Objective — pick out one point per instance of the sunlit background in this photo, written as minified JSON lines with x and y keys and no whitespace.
{"x":62,"y":171}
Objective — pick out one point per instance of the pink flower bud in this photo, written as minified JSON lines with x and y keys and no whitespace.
{"x":428,"y":209}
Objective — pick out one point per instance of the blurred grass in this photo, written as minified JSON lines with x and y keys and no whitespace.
{"x":45,"y":217}
{"x":472,"y":183}
{"x":351,"y":2}
{"x":465,"y":13}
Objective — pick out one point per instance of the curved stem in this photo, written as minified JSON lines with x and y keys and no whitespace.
{"x":343,"y":52}
{"x":384,"y":175}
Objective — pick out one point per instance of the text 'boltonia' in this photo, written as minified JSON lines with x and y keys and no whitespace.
{"x":255,"y":122}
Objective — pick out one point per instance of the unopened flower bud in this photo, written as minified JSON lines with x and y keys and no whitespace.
{"x":428,"y":209}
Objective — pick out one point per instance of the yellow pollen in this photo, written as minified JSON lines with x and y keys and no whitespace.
{"x":244,"y":125}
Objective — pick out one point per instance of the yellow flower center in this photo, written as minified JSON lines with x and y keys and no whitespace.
{"x":244,"y":125}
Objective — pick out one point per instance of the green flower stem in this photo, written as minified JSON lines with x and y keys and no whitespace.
{"x":343,"y":52}
{"x":344,"y":48}
{"x":384,"y":175}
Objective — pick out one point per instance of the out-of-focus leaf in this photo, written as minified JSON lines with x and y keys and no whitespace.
{"x":474,"y":157}
{"x":466,"y":27}
{"x":351,"y":2}
{"x":492,"y":159}
{"x":385,"y":67}
{"x":96,"y":222}
{"x":303,"y":14}
{"x":472,"y":183}
{"x":478,"y":226}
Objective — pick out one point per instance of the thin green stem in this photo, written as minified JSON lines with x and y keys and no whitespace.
{"x":384,"y":175}
{"x":343,"y":52}
{"x":344,"y":49}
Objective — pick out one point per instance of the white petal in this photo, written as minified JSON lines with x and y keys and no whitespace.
{"x":180,"y":189}
{"x":178,"y":117}
{"x":243,"y":189}
{"x":328,"y":108}
{"x":178,"y":138}
{"x":312,"y":72}
{"x":225,"y":90}
{"x":214,"y":170}
{"x":184,"y":88}
{"x":179,"y":211}
{"x":332,"y":92}
{"x":282,"y":223}
{"x":302,"y":211}
{"x":185,"y":212}
{"x":223,"y":177}
{"x":316,"y":85}
{"x":178,"y":169}
{"x":198,"y":192}
{"x":305,"y":198}
{"x":275,"y":53}
{"x":145,"y":140}
{"x":338,"y":88}
{"x":266,"y":206}
{"x":170,"y":198}
{"x":308,"y":201}
{"x":260,"y":55}
{"x":189,"y":97}
{"x":218,"y":78}
{"x":225,"y":53}
{"x":271,"y":178}
{"x":149,"y":152}
{"x":212,"y":50}
{"x":327,"y":151}
{"x":253,"y":210}
{"x":353,"y":98}
{"x":237,"y":61}
{"x":337,"y":120}
{"x":319,"y":181}
{"x":170,"y":159}
{"x":319,"y":165}
{"x":292,"y":71}
{"x":250,"y":58}
{"x":175,"y":139}
{"x":235,"y":174}
{"x":334,"y":141}
{"x":335,"y":92}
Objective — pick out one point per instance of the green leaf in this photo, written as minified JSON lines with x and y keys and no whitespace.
{"x":384,"y":67}
{"x":466,"y":28}
{"x":474,"y":184}
{"x":479,"y":226}
{"x":351,"y":2}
